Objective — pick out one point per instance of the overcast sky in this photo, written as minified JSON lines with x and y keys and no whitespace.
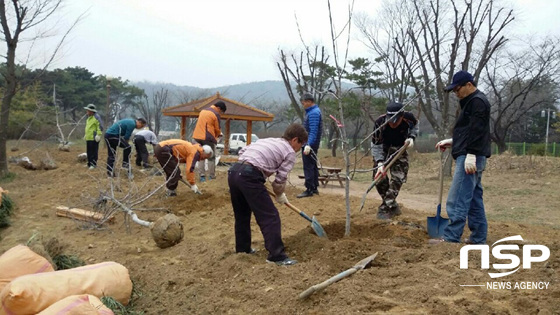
{"x":210,"y":43}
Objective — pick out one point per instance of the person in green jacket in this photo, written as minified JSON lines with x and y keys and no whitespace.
{"x":94,"y":129}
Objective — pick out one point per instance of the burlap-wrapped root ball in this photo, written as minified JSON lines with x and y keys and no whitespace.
{"x":167,"y":231}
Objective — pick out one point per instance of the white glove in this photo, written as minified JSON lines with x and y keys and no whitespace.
{"x":470,"y":164}
{"x":380,"y":171}
{"x":282,"y":199}
{"x":444,"y":144}
{"x":196,"y":190}
{"x":410,"y":142}
{"x":307,"y":150}
{"x":97,"y":138}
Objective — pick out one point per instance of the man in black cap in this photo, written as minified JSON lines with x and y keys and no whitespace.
{"x":392,"y":130}
{"x":470,"y":147}
{"x":313,"y":123}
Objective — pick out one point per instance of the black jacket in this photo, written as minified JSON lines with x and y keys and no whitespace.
{"x":471,"y":134}
{"x":387,"y":137}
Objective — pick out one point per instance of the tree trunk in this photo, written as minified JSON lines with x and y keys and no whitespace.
{"x":9,"y":94}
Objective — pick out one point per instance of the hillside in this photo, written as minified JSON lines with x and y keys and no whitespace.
{"x":249,"y":93}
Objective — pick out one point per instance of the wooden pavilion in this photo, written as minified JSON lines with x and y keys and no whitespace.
{"x":235,"y":111}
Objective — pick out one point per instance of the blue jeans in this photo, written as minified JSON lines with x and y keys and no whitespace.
{"x":464,"y":202}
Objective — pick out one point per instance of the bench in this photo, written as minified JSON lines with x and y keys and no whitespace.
{"x":332,"y":174}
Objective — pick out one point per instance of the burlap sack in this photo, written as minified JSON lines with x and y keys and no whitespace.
{"x":84,"y":304}
{"x":31,"y":294}
{"x":19,"y":261}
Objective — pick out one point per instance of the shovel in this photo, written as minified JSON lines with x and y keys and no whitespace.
{"x":189,"y":185}
{"x":387,"y":167}
{"x":437,"y":224}
{"x":359,"y":266}
{"x":315,"y":225}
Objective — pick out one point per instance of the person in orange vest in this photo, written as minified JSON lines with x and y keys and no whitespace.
{"x":171,"y":152}
{"x":207,"y":132}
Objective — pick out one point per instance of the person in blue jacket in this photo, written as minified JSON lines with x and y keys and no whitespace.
{"x":118,"y":135}
{"x":313,"y":123}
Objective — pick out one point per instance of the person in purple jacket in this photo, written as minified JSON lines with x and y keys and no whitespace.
{"x":247,"y":179}
{"x":118,"y":135}
{"x":313,"y":123}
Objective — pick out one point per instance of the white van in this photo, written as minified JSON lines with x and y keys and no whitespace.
{"x":237,"y":141}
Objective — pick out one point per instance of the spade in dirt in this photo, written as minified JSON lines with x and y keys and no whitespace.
{"x":315,"y":225}
{"x":436,"y":225}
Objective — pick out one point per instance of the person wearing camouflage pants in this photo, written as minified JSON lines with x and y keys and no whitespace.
{"x":389,"y":189}
{"x":392,"y":131}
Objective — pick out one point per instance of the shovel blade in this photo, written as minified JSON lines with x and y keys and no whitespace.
{"x":436,"y":225}
{"x":316,"y":226}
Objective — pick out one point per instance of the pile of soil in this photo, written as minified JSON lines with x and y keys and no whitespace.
{"x":202,"y":274}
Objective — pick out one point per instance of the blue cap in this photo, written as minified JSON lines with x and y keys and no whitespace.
{"x":460,"y":78}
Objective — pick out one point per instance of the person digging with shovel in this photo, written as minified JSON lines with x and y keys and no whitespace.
{"x":246,"y":180}
{"x":470,"y":147}
{"x":171,"y":152}
{"x":393,"y":129}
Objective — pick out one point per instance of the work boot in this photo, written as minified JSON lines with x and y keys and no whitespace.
{"x":171,"y":193}
{"x":315,"y":191}
{"x":384,"y":215}
{"x":306,"y":193}
{"x":395,"y":211}
{"x":202,"y":179}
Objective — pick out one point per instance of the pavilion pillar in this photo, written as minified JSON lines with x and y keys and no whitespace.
{"x":183,"y":127}
{"x":226,"y":141}
{"x":249,"y":131}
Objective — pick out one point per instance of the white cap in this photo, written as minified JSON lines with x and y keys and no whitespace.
{"x":207,"y":150}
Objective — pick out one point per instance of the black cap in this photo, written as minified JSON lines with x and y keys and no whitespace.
{"x":460,"y":78}
{"x":142,"y":120}
{"x":307,"y":97}
{"x":221,"y":105}
{"x":394,"y":108}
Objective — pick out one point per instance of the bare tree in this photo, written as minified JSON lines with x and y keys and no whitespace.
{"x":309,"y":71}
{"x":152,"y":112}
{"x":18,"y":18}
{"x":435,"y":39}
{"x":340,"y":60}
{"x":394,"y":78}
{"x":520,"y":82}
{"x":274,"y":108}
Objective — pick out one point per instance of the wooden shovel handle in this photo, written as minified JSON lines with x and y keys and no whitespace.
{"x":442,"y":162}
{"x":326,"y":283}
{"x":292,"y":207}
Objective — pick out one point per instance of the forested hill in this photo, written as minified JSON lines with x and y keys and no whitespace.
{"x":263,"y":91}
